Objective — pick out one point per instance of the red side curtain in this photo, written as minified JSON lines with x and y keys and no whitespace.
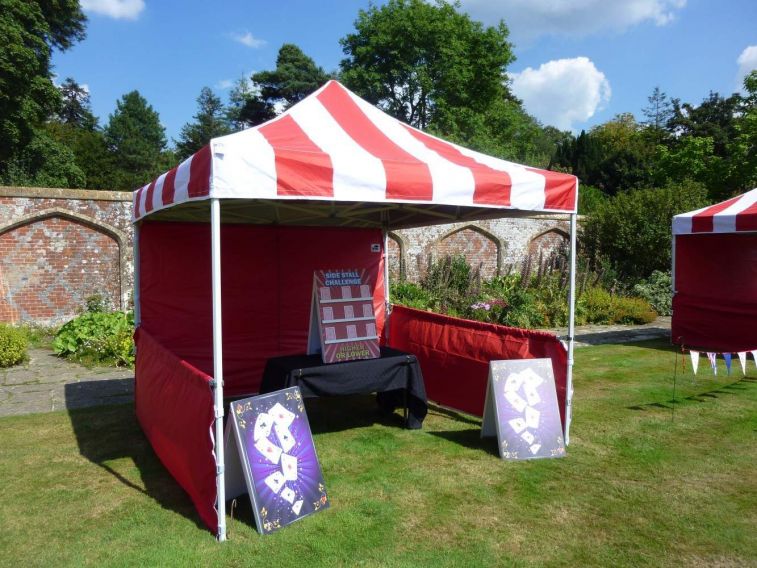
{"x":454,"y":354}
{"x":715,"y":306}
{"x":174,"y":405}
{"x":266,"y":281}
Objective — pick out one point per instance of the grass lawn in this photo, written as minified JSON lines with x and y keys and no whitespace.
{"x":642,"y":485}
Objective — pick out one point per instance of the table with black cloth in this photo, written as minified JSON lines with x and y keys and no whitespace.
{"x":395,"y":377}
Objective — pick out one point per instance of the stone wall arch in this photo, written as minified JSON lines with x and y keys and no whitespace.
{"x":547,"y":244}
{"x":480,"y":248}
{"x":52,"y":259}
{"x":396,"y":251}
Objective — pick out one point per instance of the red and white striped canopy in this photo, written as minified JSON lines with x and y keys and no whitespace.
{"x":333,"y":147}
{"x":735,"y":215}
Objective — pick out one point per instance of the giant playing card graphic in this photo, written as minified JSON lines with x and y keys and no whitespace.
{"x":342,"y":320}
{"x":274,"y":452}
{"x":521,"y":409}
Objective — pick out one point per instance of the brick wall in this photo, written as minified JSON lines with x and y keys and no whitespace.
{"x":59,"y":247}
{"x":494,"y":246}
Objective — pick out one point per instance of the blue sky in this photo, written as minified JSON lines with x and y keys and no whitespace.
{"x":579,"y":62}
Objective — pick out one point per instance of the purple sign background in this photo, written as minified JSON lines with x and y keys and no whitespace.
{"x":521,"y":401}
{"x":280,"y":456}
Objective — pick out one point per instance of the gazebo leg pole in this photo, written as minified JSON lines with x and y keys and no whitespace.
{"x":215,"y":232}
{"x":571,"y":329}
{"x":387,"y":299}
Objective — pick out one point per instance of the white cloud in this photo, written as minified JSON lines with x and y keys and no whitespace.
{"x":529,"y":19}
{"x":562,"y":92}
{"x":747,"y":62}
{"x":117,"y":9}
{"x":224,"y":84}
{"x":249,"y":40}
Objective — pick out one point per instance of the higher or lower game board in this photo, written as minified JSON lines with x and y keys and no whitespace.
{"x":278,"y":458}
{"x":342,"y":320}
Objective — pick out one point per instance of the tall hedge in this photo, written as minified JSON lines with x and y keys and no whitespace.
{"x":632,"y":230}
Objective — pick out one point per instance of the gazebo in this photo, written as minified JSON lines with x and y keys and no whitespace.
{"x":243,"y":223}
{"x":715,"y":276}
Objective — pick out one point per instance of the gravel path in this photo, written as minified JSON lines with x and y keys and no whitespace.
{"x":47,"y":383}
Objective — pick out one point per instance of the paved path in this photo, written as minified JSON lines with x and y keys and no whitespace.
{"x":598,"y":334}
{"x":47,"y":383}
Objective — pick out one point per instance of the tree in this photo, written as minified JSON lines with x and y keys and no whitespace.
{"x":210,"y":122}
{"x":246,"y":107}
{"x":295,"y":77}
{"x":43,"y":162}
{"x":659,"y":110}
{"x":30,"y":31}
{"x":657,"y":113}
{"x":742,"y":149}
{"x":424,"y":62}
{"x":632,"y":229}
{"x":75,"y":108}
{"x":136,"y":141}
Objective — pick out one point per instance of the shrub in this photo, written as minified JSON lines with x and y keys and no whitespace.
{"x":633,"y":229}
{"x":658,"y":291}
{"x":601,"y":307}
{"x":13,"y":344}
{"x":97,"y":338}
{"x":410,"y":295}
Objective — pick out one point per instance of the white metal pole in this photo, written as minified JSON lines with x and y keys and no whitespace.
{"x":387,"y":299}
{"x":135,"y":289}
{"x":571,"y":329}
{"x":215,"y":232}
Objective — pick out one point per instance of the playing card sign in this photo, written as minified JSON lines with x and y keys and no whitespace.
{"x":342,"y":321}
{"x":521,"y":409}
{"x":274,"y":452}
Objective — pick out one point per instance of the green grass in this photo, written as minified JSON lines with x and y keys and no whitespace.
{"x":647,"y":482}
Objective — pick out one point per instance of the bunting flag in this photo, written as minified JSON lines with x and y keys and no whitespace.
{"x":742,"y":360}
{"x":694,"y":360}
{"x":727,"y":357}
{"x":713,"y":361}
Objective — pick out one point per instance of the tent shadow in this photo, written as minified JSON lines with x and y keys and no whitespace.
{"x":470,"y":439}
{"x":105,"y":434}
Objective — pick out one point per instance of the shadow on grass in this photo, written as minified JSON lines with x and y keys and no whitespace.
{"x":732,"y":389}
{"x":108,"y":434}
{"x":338,"y":413}
{"x":470,"y":439}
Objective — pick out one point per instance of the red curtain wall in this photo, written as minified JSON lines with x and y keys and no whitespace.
{"x":267,"y":280}
{"x":715,"y":306}
{"x":454,"y":354}
{"x":175,"y":409}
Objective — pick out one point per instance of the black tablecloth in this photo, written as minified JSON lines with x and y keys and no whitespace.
{"x":395,"y":376}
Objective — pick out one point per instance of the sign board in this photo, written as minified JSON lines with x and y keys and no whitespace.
{"x":342,"y":320}
{"x":521,"y":410}
{"x":270,"y":453}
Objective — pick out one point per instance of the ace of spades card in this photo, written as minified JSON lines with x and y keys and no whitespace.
{"x":270,"y":455}
{"x":521,"y":410}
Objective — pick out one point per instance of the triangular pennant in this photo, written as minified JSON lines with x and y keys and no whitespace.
{"x":694,"y":360}
{"x":713,"y":362}
{"x":742,"y":360}
{"x":727,"y":357}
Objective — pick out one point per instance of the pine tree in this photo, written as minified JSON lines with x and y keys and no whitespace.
{"x":210,"y":122}
{"x":136,"y":141}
